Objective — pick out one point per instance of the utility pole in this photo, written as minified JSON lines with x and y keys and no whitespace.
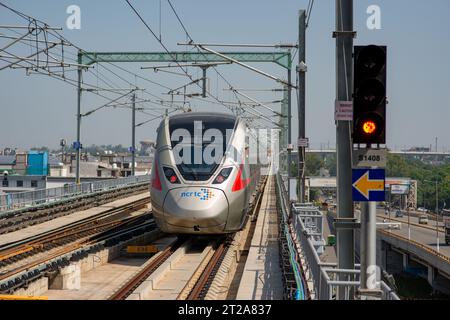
{"x":437,"y":215}
{"x":133,"y":135}
{"x":78,"y":143}
{"x":301,"y":69}
{"x":344,"y":75}
{"x":289,"y":136}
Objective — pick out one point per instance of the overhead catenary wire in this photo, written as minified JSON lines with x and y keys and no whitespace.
{"x":63,"y":40}
{"x":308,"y":12}
{"x":191,"y":40}
{"x":167,"y":50}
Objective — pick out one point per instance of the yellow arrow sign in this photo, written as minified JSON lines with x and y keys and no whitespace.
{"x":364,"y":185}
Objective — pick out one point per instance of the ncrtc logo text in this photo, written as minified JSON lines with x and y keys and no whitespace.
{"x":205,"y":194}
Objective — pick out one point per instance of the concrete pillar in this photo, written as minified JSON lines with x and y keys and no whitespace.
{"x":381,"y":253}
{"x":405,"y":261}
{"x":431,"y":275}
{"x":68,"y":278}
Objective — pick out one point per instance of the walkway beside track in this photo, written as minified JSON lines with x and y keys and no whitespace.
{"x":261,"y":279}
{"x":65,"y":220}
{"x":329,"y":254}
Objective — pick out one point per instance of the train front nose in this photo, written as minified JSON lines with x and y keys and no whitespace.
{"x":196,"y":209}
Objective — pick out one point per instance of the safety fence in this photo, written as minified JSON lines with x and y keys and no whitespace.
{"x":11,"y":201}
{"x":323,"y":280}
{"x":295,"y":277}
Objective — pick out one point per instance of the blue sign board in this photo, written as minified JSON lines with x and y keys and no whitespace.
{"x":76,"y":145}
{"x":368,"y":184}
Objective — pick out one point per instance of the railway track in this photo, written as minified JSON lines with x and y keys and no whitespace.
{"x":143,"y":274}
{"x":21,"y":218}
{"x":106,"y":227}
{"x":197,"y":275}
{"x":194,"y":264}
{"x":202,"y":285}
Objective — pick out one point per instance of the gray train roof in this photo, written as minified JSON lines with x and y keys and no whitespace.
{"x":195,"y":115}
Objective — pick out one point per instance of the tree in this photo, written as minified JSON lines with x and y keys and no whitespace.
{"x":415,"y":169}
{"x":330,"y":165}
{"x":313,"y":164}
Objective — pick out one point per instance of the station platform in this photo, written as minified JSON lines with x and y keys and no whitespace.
{"x":37,"y":229}
{"x":262,"y":275}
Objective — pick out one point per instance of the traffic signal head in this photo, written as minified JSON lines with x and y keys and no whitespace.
{"x":369,"y":95}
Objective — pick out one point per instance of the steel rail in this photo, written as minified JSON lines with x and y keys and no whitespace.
{"x":82,"y":228}
{"x":129,"y":206}
{"x":143,"y":274}
{"x":13,"y":221}
{"x":66,"y":250}
{"x":201,"y":286}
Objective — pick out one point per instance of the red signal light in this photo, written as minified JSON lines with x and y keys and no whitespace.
{"x":369,"y":127}
{"x":173,"y":179}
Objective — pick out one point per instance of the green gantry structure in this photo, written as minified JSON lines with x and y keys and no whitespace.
{"x":282,"y":58}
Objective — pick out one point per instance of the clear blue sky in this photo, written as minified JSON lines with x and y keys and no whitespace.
{"x":39,"y":111}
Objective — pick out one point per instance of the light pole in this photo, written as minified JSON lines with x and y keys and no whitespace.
{"x":133,"y":135}
{"x":409,"y":214}
{"x":437,"y":212}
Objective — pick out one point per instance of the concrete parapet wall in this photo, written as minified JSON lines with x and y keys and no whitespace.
{"x":35,"y":288}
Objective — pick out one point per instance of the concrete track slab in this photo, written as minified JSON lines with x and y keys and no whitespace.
{"x":99,"y":283}
{"x":261,"y":278}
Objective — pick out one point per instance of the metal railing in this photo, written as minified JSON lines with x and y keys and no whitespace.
{"x":11,"y":201}
{"x":302,"y":292}
{"x":325,"y":278}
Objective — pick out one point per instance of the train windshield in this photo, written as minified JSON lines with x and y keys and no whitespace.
{"x":199,"y":143}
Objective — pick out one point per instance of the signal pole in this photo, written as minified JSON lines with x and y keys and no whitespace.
{"x":78,"y":144}
{"x":289,"y":135}
{"x":344,"y":75}
{"x":301,"y":102}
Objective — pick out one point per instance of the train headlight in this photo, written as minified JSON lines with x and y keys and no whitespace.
{"x":171,"y":175}
{"x":223,"y":175}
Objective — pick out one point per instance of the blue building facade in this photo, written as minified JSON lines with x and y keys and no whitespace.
{"x":37,"y":163}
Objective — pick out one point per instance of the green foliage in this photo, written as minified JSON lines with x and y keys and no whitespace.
{"x":313,"y":164}
{"x":330,"y":164}
{"x":398,"y":166}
